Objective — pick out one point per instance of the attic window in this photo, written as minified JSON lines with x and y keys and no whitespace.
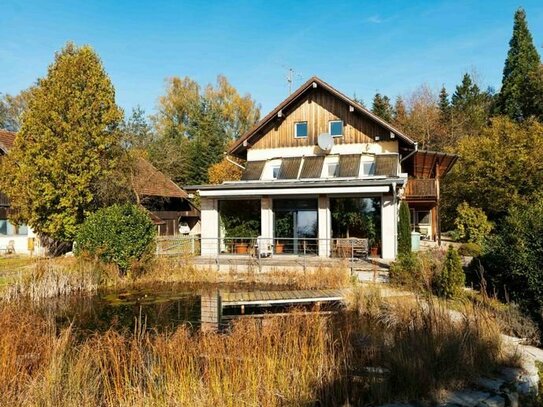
{"x":300,"y":129}
{"x":336,"y":128}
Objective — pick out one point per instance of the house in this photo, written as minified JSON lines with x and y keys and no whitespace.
{"x":14,"y":238}
{"x":167,"y":204}
{"x":321,"y":168}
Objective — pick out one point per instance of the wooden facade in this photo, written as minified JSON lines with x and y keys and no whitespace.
{"x":318,"y":108}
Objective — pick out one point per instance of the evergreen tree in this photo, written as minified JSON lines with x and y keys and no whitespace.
{"x":381,"y":107}
{"x":444,"y":106}
{"x":404,"y":229}
{"x":137,"y":131}
{"x":68,"y":145}
{"x":518,"y":73}
{"x":400,"y":113}
{"x":469,"y":108}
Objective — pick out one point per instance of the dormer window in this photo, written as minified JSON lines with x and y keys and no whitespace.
{"x":275,"y":171}
{"x":368,"y":168}
{"x":300,"y":129}
{"x":335,"y":128}
{"x":333,"y":170}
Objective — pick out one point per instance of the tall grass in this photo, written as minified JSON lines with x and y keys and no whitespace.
{"x":375,"y":351}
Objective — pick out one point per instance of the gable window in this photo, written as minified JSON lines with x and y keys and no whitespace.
{"x":335,"y":127}
{"x":333,"y":170}
{"x":368,"y":168}
{"x":300,"y":129}
{"x":275,"y":171}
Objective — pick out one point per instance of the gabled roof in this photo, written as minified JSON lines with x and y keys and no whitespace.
{"x":148,"y":181}
{"x":244,"y":141}
{"x":7,"y":138}
{"x":430,"y":164}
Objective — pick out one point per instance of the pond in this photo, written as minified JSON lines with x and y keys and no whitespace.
{"x":161,"y":308}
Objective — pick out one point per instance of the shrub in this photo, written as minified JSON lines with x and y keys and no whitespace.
{"x":472,"y":225}
{"x":120,"y":234}
{"x":470,"y":249}
{"x":404,"y":229}
{"x":407,"y":270}
{"x":451,"y":278}
{"x":513,"y":259}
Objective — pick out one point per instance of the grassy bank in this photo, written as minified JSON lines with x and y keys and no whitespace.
{"x":377,"y":350}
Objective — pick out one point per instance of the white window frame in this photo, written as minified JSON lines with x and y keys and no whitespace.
{"x":342,"y":128}
{"x":296,"y":128}
{"x":273,"y":169}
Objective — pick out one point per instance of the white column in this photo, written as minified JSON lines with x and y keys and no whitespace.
{"x":325,"y":226}
{"x":266,"y":217}
{"x":389,"y":224}
{"x":210,"y":226}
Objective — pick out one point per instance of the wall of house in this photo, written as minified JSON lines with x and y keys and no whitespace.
{"x":318,"y":109}
{"x":21,"y":244}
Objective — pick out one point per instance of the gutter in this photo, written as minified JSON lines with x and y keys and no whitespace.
{"x":411,"y":153}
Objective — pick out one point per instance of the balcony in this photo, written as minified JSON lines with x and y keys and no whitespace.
{"x":421,"y":189}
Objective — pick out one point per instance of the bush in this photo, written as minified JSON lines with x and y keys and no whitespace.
{"x":404,"y":229}
{"x":472,"y":225}
{"x":470,"y":249}
{"x":513,"y":259}
{"x":120,"y":234}
{"x":451,"y":278}
{"x":407,"y":270}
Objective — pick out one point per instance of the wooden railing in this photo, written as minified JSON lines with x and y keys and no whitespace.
{"x":421,"y":188}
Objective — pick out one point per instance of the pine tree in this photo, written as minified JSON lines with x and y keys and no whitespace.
{"x":381,"y":107}
{"x":518,"y":73}
{"x":69,"y":143}
{"x":400,"y":113}
{"x":469,"y":108}
{"x":404,"y":229}
{"x":444,"y":105}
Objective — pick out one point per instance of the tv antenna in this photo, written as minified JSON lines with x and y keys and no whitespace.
{"x":291,"y":77}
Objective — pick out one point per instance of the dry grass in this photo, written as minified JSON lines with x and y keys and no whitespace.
{"x":376,"y":351}
{"x":184,"y":271}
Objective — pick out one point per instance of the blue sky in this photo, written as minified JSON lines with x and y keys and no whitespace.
{"x":357,"y":46}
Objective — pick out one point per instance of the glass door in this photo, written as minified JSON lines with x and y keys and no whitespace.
{"x":296,"y":226}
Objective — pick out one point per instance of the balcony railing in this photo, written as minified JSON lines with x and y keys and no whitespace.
{"x":421,"y":188}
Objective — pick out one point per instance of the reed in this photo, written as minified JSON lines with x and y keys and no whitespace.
{"x":376,"y":351}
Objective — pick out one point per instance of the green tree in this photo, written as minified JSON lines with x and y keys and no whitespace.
{"x":444,"y":106}
{"x":498,"y":168}
{"x":381,"y":107}
{"x":67,"y":147}
{"x":448,"y":281}
{"x":469,"y":108}
{"x":404,"y":229}
{"x":518,"y":73}
{"x":137,"y":131}
{"x":472,"y":224}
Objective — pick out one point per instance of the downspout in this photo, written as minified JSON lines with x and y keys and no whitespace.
{"x":233,"y":162}
{"x":394,"y":197}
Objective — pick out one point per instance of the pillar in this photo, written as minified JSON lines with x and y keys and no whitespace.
{"x":210,"y":226}
{"x":389,"y":225}
{"x":266,"y":217}
{"x":325,"y":226}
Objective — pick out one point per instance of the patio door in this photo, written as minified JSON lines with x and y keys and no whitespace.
{"x":296,"y":226}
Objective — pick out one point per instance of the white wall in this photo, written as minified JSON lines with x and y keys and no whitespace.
{"x":325,"y":226}
{"x":209,"y":216}
{"x":21,"y":244}
{"x":254,"y":154}
{"x":389,"y":226}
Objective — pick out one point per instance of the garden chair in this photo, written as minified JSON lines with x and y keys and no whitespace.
{"x":10,"y":249}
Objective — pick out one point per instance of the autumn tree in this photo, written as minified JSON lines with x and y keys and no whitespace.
{"x":519,"y":73}
{"x":224,"y":170}
{"x":194,"y":126}
{"x":498,"y":168}
{"x":67,"y":148}
{"x":381,"y":107}
{"x":12,"y":108}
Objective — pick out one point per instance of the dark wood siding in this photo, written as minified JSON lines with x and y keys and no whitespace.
{"x":318,"y":108}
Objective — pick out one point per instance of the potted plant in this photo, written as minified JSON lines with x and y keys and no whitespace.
{"x":283,"y":228}
{"x":244,"y":232}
